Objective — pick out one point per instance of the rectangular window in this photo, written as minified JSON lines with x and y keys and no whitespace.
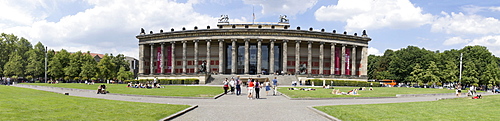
{"x":178,"y":63}
{"x":190,"y":62}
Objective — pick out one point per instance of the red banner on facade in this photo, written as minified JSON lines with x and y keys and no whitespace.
{"x":169,"y":59}
{"x":158,"y":60}
{"x":347,"y":61}
{"x":337,"y":61}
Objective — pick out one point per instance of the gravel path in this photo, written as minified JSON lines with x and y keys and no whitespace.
{"x":232,"y":107}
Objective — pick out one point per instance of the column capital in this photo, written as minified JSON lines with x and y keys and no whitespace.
{"x":220,"y":40}
{"x":151,"y":44}
{"x":272,"y":40}
{"x":321,"y":43}
{"x":298,"y":41}
{"x":208,"y":40}
{"x":310,"y":42}
{"x":247,"y":40}
{"x":343,"y":45}
{"x":184,"y":41}
{"x":196,"y":40}
{"x":333,"y":43}
{"x":173,"y":42}
{"x":354,"y":46}
{"x":234,"y":40}
{"x":259,"y":40}
{"x":285,"y":41}
{"x":162,"y":43}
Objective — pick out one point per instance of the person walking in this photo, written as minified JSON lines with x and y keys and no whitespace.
{"x":225,"y":85}
{"x":232,"y":84}
{"x":268,"y":87}
{"x":257,"y":89}
{"x":250,"y":88}
{"x":238,"y":87}
{"x":275,"y":86}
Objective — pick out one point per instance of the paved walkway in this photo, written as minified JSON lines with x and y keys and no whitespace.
{"x":232,"y":107}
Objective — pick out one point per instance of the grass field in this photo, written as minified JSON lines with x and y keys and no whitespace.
{"x":28,"y":104}
{"x":459,"y":109}
{"x":377,"y":92}
{"x":169,"y":90}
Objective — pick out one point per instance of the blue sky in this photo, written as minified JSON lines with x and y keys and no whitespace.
{"x":110,"y":26}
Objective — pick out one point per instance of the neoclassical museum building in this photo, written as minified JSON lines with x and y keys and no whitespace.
{"x":255,"y":48}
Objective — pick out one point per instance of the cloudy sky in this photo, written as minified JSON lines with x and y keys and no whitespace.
{"x":110,"y":26}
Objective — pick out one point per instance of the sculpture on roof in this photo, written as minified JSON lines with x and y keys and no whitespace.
{"x":142,"y":31}
{"x":283,"y":19}
{"x":224,"y":19}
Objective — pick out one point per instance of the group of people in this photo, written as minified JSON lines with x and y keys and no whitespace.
{"x":142,"y":85}
{"x":253,"y":86}
{"x":101,"y":89}
{"x":351,"y":92}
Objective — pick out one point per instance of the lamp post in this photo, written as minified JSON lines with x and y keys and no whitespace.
{"x":45,"y":64}
{"x":460,"y":76}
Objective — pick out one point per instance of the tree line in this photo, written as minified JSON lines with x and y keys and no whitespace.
{"x":19,"y":58}
{"x":413,"y":65}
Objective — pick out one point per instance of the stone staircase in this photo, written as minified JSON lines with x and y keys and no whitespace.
{"x":282,"y":80}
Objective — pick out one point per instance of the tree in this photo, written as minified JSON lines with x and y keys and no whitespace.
{"x":89,"y":67}
{"x":124,"y":75}
{"x":416,"y":75}
{"x":431,"y":74}
{"x":75,"y":64}
{"x":450,"y":72}
{"x":14,"y":67}
{"x":57,"y":64}
{"x":35,"y":65}
{"x":106,"y":67}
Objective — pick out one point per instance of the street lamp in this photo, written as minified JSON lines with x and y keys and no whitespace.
{"x":45,"y":64}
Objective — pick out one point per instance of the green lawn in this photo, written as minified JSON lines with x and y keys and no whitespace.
{"x":28,"y":104}
{"x":169,"y":90}
{"x":377,"y":92}
{"x":460,"y":109}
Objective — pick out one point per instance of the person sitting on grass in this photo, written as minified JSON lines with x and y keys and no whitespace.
{"x":477,"y":97}
{"x":370,"y":88}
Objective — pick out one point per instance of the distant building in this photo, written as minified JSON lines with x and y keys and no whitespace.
{"x":250,"y":49}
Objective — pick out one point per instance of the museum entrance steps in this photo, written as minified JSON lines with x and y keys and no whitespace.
{"x":282,"y":79}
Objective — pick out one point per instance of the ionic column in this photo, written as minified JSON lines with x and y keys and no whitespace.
{"x":353,"y":61}
{"x":247,"y":60}
{"x":208,"y":69}
{"x":332,"y":59}
{"x":271,"y":56}
{"x":221,"y":56}
{"x":184,"y":58}
{"x":173,"y":58}
{"x":342,"y":62}
{"x":364,"y":61}
{"x":233,"y":56}
{"x":297,"y":55}
{"x":285,"y":55}
{"x":151,"y":60}
{"x":259,"y":56}
{"x":309,"y":57}
{"x":162,"y":60}
{"x":195,"y":56}
{"x":321,"y":57}
{"x":141,"y":59}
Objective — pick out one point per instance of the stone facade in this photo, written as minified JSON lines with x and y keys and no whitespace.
{"x":253,"y":49}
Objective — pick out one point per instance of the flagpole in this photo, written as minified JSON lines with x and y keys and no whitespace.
{"x":253,"y":15}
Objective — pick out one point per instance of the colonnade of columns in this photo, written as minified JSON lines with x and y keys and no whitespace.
{"x":356,"y":61}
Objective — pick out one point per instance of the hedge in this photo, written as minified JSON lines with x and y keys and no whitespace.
{"x":318,"y":82}
{"x":166,"y":81}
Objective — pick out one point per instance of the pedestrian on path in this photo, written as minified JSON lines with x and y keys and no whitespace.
{"x":225,"y":86}
{"x":250,"y":88}
{"x":257,"y":89}
{"x":232,"y":84}
{"x":275,"y":86}
{"x":268,"y":86}
{"x":238,"y":87}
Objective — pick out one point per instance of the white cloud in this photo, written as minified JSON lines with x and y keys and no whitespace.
{"x":459,"y":23}
{"x":495,"y":8}
{"x":374,"y":51}
{"x":288,"y":7}
{"x":455,"y":40}
{"x":109,"y":26}
{"x":492,"y":42}
{"x":374,"y":14}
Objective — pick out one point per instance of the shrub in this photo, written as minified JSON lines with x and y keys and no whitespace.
{"x":351,"y":83}
{"x":166,"y":81}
